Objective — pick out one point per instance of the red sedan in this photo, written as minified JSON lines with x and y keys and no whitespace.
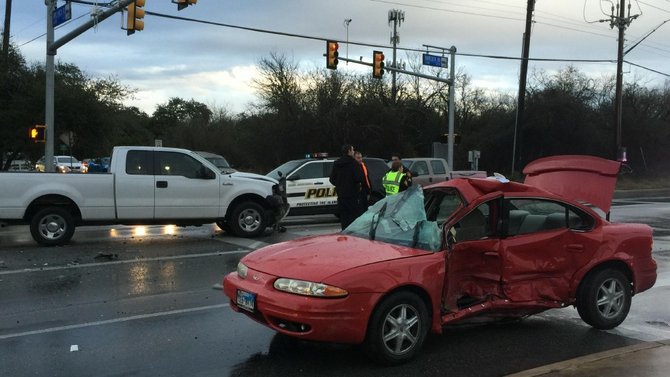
{"x":460,"y":251}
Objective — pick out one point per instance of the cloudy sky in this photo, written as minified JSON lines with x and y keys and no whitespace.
{"x":215,"y":64}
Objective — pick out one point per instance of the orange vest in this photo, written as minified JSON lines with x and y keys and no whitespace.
{"x":365,"y":173}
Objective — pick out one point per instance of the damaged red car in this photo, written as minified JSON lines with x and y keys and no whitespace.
{"x":459,"y":251}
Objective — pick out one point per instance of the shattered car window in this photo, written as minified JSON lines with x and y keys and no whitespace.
{"x":400,"y":220}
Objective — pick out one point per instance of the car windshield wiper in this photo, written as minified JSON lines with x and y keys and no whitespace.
{"x":374,"y":223}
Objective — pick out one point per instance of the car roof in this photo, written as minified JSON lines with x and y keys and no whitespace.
{"x":473,"y":188}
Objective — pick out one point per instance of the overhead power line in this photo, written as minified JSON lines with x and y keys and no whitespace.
{"x":364,"y":44}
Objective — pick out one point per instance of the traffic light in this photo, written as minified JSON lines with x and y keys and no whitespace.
{"x":377,"y":64}
{"x":181,"y":4}
{"x":135,"y":20}
{"x":37,"y":133}
{"x":332,"y":54}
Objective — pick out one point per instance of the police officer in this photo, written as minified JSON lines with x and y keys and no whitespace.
{"x":395,"y":179}
{"x":408,"y":173}
{"x":347,"y":177}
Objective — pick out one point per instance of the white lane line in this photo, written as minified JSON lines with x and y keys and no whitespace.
{"x":246,"y":243}
{"x":87,"y":265}
{"x":110,"y":321}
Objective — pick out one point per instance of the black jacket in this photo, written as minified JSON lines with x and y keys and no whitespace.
{"x":347,"y":177}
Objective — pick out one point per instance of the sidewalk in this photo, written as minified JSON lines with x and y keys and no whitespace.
{"x":649,"y":359}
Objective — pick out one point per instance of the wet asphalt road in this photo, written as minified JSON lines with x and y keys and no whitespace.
{"x":123,"y":301}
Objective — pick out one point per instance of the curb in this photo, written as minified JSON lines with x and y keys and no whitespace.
{"x":623,"y":194}
{"x":576,"y":362}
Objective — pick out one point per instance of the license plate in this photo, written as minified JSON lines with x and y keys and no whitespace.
{"x":246,"y":300}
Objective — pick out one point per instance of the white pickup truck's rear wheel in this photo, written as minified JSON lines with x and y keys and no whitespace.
{"x":52,"y":226}
{"x":248,"y":220}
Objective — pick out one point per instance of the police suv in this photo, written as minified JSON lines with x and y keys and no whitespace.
{"x":308,"y":187}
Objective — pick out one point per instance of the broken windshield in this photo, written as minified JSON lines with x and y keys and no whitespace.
{"x":400,"y":220}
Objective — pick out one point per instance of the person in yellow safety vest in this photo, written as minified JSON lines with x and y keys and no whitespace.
{"x":395,"y":179}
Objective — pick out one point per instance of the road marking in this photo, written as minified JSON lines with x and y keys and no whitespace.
{"x":87,"y":265}
{"x":110,"y":321}
{"x":246,"y":243}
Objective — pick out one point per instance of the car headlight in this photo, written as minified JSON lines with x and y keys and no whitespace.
{"x":242,"y":270}
{"x":308,"y":288}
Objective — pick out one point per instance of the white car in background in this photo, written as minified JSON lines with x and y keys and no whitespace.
{"x":62,"y":164}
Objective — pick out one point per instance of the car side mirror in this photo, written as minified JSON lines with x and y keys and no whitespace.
{"x":294,"y":177}
{"x":206,"y":173}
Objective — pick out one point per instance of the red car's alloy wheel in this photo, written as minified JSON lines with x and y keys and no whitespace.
{"x":397,"y":328}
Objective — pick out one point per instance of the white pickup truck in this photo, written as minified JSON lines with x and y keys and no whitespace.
{"x":145,"y":185}
{"x":429,"y":170}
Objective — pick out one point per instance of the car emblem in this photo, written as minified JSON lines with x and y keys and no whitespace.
{"x":255,"y":277}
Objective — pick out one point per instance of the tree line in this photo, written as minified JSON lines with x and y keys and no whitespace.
{"x":301,"y":112}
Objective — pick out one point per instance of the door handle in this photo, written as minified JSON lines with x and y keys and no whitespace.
{"x":575,"y":246}
{"x":490,"y":254}
{"x":318,"y":183}
{"x":161,"y":184}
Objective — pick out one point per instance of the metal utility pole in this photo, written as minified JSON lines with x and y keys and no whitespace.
{"x":5,"y":32}
{"x":49,"y":106}
{"x":621,"y":22}
{"x":452,"y":106}
{"x":521,"y":98}
{"x":397,"y":17}
{"x":451,"y":81}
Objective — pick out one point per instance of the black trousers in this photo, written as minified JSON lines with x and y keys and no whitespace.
{"x":349,"y":210}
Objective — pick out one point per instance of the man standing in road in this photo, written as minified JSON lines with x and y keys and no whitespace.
{"x":347,"y":177}
{"x":366,"y":188}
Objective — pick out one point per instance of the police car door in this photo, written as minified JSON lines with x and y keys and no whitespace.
{"x":308,"y":186}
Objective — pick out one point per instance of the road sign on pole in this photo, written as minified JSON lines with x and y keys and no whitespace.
{"x":62,"y":14}
{"x":435,"y":61}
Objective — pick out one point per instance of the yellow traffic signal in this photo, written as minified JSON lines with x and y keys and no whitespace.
{"x":135,"y":20}
{"x":37,"y":133}
{"x":181,"y":4}
{"x":332,"y":54}
{"x":377,"y":64}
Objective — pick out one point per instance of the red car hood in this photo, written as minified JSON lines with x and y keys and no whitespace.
{"x":316,"y":258}
{"x":581,"y":178}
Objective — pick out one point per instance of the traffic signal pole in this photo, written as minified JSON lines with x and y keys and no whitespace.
{"x":52,"y":48}
{"x":450,"y":81}
{"x":452,"y":107}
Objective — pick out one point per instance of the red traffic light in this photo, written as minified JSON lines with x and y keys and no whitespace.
{"x":332,"y":54}
{"x":377,"y":64}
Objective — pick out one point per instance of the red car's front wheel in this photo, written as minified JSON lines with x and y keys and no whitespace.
{"x":398,"y":328}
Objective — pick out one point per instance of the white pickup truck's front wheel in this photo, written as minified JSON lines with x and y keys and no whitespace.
{"x":248,"y":220}
{"x":52,"y":226}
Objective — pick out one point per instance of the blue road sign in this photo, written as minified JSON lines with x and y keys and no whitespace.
{"x":62,"y":14}
{"x":435,"y":61}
